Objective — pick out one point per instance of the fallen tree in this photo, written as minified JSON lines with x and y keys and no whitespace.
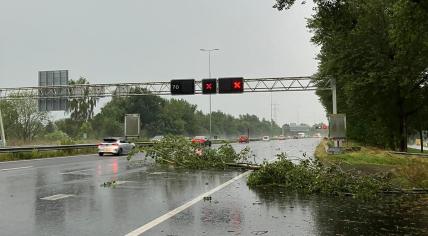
{"x":312,"y":177}
{"x":178,"y":151}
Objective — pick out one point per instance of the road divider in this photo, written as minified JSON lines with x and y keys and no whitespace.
{"x":85,"y":146}
{"x":57,"y":147}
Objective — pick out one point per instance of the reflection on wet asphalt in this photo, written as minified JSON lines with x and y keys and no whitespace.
{"x":82,"y":207}
{"x":64,"y":197}
{"x":295,"y":149}
{"x":238,"y":210}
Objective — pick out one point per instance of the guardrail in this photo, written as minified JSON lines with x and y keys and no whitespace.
{"x":83,"y":146}
{"x":57,"y":147}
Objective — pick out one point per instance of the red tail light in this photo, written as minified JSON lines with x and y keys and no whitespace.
{"x":115,"y":144}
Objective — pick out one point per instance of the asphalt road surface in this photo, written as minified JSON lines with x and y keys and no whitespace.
{"x":66,"y":196}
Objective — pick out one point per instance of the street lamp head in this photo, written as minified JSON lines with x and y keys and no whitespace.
{"x":209,"y":50}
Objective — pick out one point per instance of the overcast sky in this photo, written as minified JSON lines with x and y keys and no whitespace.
{"x":110,"y":41}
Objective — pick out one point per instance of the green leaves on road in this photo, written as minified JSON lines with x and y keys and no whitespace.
{"x":312,"y":177}
{"x":178,"y":151}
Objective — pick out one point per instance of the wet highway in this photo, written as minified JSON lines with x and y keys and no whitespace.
{"x":64,"y":196}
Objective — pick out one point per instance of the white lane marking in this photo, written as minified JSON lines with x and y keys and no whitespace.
{"x":48,"y":158}
{"x":157,"y":173}
{"x":17,"y":168}
{"x":77,"y":172}
{"x":179,"y":209}
{"x":123,"y":182}
{"x":57,"y":197}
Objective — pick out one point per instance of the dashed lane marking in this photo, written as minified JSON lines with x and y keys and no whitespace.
{"x":17,"y":168}
{"x":57,"y":197}
{"x":50,"y":158}
{"x":78,"y":172}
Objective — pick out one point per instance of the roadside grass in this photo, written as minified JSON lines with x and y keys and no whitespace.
{"x":40,"y":141}
{"x":414,"y":150}
{"x":406,"y":171}
{"x":44,"y":154}
{"x":367,"y":155}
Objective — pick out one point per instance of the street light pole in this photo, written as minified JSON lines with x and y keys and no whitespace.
{"x":3,"y":137}
{"x":209,"y":76}
{"x":271,"y":118}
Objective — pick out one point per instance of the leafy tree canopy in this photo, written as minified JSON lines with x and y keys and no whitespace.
{"x":377,"y":50}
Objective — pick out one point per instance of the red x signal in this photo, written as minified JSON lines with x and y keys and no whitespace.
{"x":231,"y":85}
{"x":208,"y":86}
{"x":236,"y":84}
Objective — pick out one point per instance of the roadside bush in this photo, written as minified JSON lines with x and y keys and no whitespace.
{"x":314,"y":178}
{"x":56,"y":135}
{"x":67,"y":141}
{"x":180,"y":152}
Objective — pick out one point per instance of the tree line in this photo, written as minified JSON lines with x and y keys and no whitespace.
{"x":160,"y":116}
{"x":377,"y":51}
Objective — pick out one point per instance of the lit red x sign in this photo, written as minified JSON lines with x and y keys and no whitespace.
{"x":208,"y":86}
{"x":237,"y":84}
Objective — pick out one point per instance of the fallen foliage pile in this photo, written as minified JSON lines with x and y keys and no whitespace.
{"x":180,"y":152}
{"x":314,"y":178}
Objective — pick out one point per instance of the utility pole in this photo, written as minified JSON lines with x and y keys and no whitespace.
{"x":273,"y":113}
{"x":334,"y":96}
{"x":209,"y":76}
{"x":333,"y":90}
{"x":271,"y":119}
{"x":3,"y":137}
{"x":421,"y":136}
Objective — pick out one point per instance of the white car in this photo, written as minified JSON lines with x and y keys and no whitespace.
{"x":265,"y":138}
{"x":115,"y":146}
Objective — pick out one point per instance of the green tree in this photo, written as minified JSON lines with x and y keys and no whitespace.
{"x":162,"y":117}
{"x":82,"y":108}
{"x":378,"y":53}
{"x":22,"y":119}
{"x":109,"y":122}
{"x":10,"y":116}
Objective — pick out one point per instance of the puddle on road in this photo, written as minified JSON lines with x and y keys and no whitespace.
{"x":295,"y":149}
{"x":391,"y":215}
{"x":238,"y":210}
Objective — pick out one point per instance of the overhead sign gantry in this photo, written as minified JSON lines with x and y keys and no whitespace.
{"x":221,"y":85}
{"x":230,"y":85}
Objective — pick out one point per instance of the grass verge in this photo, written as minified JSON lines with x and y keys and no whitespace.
{"x":405,"y":171}
{"x":414,"y":150}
